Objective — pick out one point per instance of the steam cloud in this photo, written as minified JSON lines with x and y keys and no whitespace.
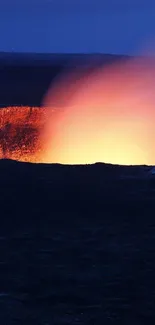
{"x":104,"y":114}
{"x":94,"y":113}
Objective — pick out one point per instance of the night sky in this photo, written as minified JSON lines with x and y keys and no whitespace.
{"x":107,"y":26}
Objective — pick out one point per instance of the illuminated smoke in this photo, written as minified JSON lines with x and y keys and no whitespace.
{"x":105,"y":114}
{"x":92,"y":114}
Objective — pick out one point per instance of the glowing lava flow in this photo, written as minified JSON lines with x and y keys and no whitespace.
{"x":104,"y":115}
{"x":20,"y":129}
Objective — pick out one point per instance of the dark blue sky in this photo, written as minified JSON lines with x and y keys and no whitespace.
{"x":109,"y":26}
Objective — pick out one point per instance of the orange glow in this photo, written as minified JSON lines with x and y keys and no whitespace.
{"x":90,"y":115}
{"x":103,"y":115}
{"x":20,"y":129}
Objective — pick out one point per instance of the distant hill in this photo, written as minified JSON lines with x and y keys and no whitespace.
{"x":12,"y":58}
{"x":59,"y":173}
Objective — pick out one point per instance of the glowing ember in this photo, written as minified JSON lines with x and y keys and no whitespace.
{"x":105,"y":115}
{"x":20,"y":129}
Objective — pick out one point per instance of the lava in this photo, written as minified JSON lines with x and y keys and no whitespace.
{"x":20,"y":129}
{"x":106,"y":114}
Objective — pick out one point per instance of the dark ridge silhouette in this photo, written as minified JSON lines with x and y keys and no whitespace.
{"x":103,"y":170}
{"x":118,"y":183}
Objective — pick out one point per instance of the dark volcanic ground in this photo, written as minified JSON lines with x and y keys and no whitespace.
{"x":77,"y":244}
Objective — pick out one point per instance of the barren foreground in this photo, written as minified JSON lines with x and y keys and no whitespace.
{"x":77,"y":245}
